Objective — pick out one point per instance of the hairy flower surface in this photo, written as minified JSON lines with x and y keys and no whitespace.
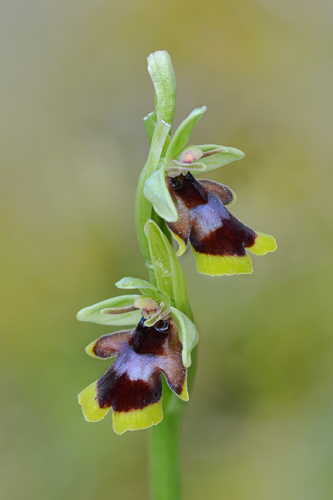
{"x":132,"y":386}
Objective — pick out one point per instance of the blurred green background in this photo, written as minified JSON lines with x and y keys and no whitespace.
{"x":73,"y":91}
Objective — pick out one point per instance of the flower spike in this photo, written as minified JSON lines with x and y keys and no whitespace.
{"x":162,"y":334}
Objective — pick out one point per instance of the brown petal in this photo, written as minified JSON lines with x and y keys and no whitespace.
{"x":109,"y":345}
{"x":223,"y":192}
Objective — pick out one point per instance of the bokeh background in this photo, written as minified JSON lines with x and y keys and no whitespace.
{"x":73,"y":91}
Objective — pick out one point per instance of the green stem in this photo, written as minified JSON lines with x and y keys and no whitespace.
{"x":165,"y":470}
{"x":164,"y":443}
{"x":165,"y":461}
{"x":152,"y":277}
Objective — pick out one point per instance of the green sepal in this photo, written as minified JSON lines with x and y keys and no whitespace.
{"x":169,"y":274}
{"x":223,"y":156}
{"x":187,"y":333}
{"x":182,"y":134}
{"x":145,"y":288}
{"x":94,"y":313}
{"x":156,"y":191}
{"x":149,"y":122}
{"x":163,"y":76}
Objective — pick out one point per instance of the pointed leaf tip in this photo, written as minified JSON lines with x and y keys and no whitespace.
{"x":163,"y":76}
{"x":183,"y":133}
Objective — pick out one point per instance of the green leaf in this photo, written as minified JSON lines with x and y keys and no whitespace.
{"x":169,"y":274}
{"x":94,"y":313}
{"x":187,"y":333}
{"x":142,"y":205}
{"x":156,"y":191}
{"x":149,"y":122}
{"x":163,"y":76}
{"x":218,"y":156}
{"x":145,"y":288}
{"x":182,"y":134}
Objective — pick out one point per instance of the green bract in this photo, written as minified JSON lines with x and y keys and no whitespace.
{"x":142,"y":207}
{"x":168,"y":272}
{"x":156,"y":191}
{"x":149,"y":122}
{"x":164,"y":80}
{"x":170,"y":277}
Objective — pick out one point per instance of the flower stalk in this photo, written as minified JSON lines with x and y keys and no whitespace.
{"x":165,"y":273}
{"x":165,"y":458}
{"x":169,"y":202}
{"x":164,"y":440}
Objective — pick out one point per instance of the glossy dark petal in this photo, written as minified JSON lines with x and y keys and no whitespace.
{"x":126,"y":394}
{"x":188,"y":190}
{"x":183,"y":226}
{"x":215,"y":231}
{"x":150,"y":340}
